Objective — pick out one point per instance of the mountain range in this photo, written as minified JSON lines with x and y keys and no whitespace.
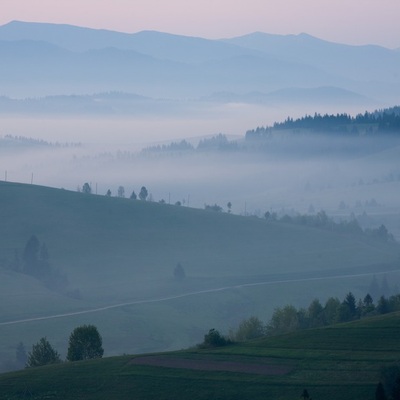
{"x":40,"y":59}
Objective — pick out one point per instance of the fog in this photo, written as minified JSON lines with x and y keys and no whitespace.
{"x":293,"y":175}
{"x":346,"y":176}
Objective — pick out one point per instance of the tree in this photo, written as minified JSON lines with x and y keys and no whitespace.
{"x":383,"y":306}
{"x":179,"y":272}
{"x":42,"y":354}
{"x":31,"y":256}
{"x":315,"y":314}
{"x":229,"y":205}
{"x":36,"y":259}
{"x":85,"y":343}
{"x":143,"y":193}
{"x":86,"y":188}
{"x":348,"y":308}
{"x":133,"y":196}
{"x":249,"y":329}
{"x":368,"y":305}
{"x":108,"y":194}
{"x":284,"y":320}
{"x":331,"y":310}
{"x":121,"y":191}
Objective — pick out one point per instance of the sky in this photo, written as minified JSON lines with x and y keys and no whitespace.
{"x":346,"y":21}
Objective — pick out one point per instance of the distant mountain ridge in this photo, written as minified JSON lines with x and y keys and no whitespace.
{"x":152,"y":43}
{"x":64,"y":59}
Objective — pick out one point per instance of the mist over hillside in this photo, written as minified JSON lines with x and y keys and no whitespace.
{"x":110,"y":261}
{"x":342,"y":168}
{"x":243,"y":146}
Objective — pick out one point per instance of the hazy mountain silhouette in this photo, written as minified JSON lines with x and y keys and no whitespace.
{"x":42,"y":59}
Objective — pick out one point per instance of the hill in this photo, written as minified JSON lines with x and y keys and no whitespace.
{"x":118,"y":257}
{"x":340,"y":361}
{"x":157,"y":64}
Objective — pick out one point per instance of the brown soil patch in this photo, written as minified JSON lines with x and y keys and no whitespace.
{"x":213,"y":365}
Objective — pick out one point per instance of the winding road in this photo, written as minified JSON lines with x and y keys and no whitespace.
{"x":200,"y":292}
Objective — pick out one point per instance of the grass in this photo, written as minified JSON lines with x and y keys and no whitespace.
{"x":121,"y":251}
{"x":339,"y":361}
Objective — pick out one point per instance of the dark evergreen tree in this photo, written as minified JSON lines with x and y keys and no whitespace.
{"x":383,"y":306}
{"x":85,"y":343}
{"x":42,"y":354}
{"x":350,"y":301}
{"x":368,"y":301}
{"x":179,"y":272}
{"x":315,"y":314}
{"x":30,"y":257}
{"x":133,"y":195}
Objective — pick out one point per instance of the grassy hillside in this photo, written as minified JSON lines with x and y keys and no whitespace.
{"x":342,"y":361}
{"x":121,"y":253}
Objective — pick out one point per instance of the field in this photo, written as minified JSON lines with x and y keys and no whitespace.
{"x":343,"y":361}
{"x":119,"y":256}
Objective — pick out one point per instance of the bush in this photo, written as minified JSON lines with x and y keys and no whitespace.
{"x":214,"y":339}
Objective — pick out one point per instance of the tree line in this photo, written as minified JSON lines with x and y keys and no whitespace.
{"x":215,"y":143}
{"x":383,"y":121}
{"x":317,"y":220}
{"x":290,"y":319}
{"x":322,"y":221}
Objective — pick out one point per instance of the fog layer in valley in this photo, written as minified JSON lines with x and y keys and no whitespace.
{"x":288,"y":175}
{"x":192,"y":120}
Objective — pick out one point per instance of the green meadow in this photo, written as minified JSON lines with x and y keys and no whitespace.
{"x":119,"y":256}
{"x":342,"y":361}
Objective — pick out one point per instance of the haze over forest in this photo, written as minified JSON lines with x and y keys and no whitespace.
{"x":276,"y":126}
{"x":116,"y":93}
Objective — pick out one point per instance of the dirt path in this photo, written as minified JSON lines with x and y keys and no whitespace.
{"x":180,"y":296}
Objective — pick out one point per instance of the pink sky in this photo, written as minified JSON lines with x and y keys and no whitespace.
{"x":345,"y":21}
